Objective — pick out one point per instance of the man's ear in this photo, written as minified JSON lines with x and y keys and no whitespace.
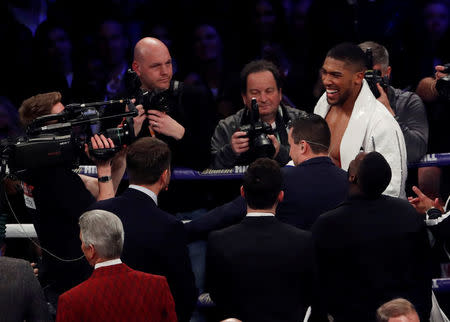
{"x":280,"y":196}
{"x":388,"y":71}
{"x":90,"y":252}
{"x":135,"y":67}
{"x":242,"y":192}
{"x":164,"y":178}
{"x":244,"y":99}
{"x":352,"y":179}
{"x":304,"y":146}
{"x":358,"y":77}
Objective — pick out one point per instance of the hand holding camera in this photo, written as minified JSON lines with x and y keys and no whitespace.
{"x":239,"y":142}
{"x":443,"y":80}
{"x":257,"y":134}
{"x":374,"y":77}
{"x":162,"y":123}
{"x":383,"y":98}
{"x":442,"y":71}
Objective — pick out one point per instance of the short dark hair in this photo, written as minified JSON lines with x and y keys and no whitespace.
{"x":147,"y":158}
{"x":374,"y":174}
{"x":257,"y":66}
{"x":313,"y":129}
{"x":350,"y":54}
{"x":394,"y":308}
{"x":38,"y":105}
{"x":262,"y":183}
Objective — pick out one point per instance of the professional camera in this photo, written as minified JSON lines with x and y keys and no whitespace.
{"x":257,"y":132}
{"x":151,"y":100}
{"x":443,"y":84}
{"x":58,"y":139}
{"x":373,"y":76}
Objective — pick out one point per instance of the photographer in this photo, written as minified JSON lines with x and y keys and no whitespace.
{"x":229,"y":145}
{"x":406,"y":107}
{"x":434,"y":91}
{"x":178,"y":114}
{"x":56,"y":196}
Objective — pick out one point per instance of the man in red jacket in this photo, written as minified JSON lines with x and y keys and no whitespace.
{"x":114,"y":292}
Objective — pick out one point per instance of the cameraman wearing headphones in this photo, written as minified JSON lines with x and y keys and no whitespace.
{"x":56,"y":196}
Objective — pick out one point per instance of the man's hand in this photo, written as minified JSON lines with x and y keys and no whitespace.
{"x":99,"y":142}
{"x":384,"y":99}
{"x":439,"y":71}
{"x":275,"y":143}
{"x":100,"y":190}
{"x":164,"y":124}
{"x":239,"y":142}
{"x":35,"y":269}
{"x":422,"y":203}
{"x":139,"y":119}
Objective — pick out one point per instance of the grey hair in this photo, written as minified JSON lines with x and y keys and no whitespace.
{"x":103,"y":230}
{"x":379,"y":53}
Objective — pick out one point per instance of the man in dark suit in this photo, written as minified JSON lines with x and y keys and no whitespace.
{"x":314,"y":186}
{"x":260,"y":269}
{"x":371,"y":248}
{"x":156,"y":241}
{"x":114,"y":292}
{"x":21,"y":296}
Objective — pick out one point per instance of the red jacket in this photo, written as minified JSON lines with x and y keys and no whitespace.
{"x":118,"y":293}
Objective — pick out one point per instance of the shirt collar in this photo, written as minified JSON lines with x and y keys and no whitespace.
{"x":148,"y":192}
{"x":108,"y":263}
{"x":260,"y":214}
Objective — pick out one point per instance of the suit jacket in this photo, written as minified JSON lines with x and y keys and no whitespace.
{"x":21,"y":296}
{"x":118,"y":293}
{"x":155,"y":243}
{"x":260,"y":270}
{"x":310,"y":189}
{"x":368,"y":252}
{"x":372,"y":128}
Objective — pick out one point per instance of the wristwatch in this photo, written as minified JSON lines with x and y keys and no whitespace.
{"x":104,"y":179}
{"x":433,"y":213}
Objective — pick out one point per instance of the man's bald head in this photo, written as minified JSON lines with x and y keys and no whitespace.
{"x":146,"y":45}
{"x":371,"y":173}
{"x":153,"y":64}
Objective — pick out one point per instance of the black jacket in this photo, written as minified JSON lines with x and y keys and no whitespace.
{"x":368,"y":252}
{"x":155,"y":243}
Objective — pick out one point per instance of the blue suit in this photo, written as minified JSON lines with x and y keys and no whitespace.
{"x":310,"y":189}
{"x":155,"y":243}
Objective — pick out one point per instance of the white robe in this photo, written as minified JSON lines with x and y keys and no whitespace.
{"x":372,"y":128}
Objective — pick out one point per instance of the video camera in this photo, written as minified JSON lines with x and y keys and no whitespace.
{"x":373,"y":76}
{"x":257,"y":132}
{"x":443,"y":84}
{"x":58,"y":139}
{"x":151,"y":100}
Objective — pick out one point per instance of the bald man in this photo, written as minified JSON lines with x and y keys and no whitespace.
{"x":185,"y":125}
{"x":371,"y":248}
{"x":153,"y":64}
